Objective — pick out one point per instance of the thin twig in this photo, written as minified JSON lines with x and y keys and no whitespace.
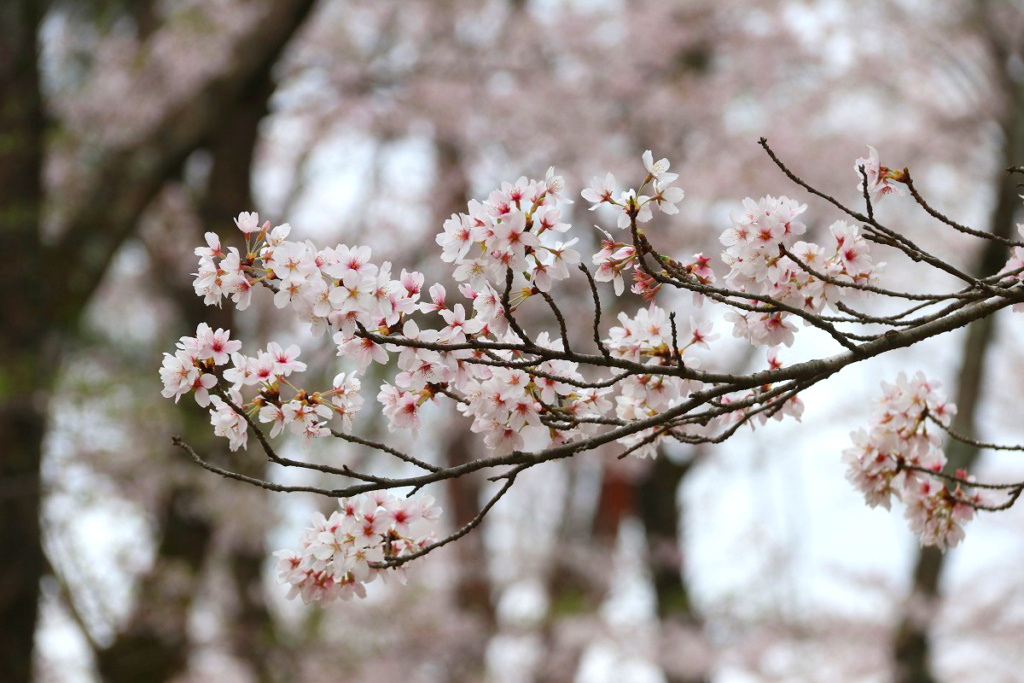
{"x":559,"y":317}
{"x":950,"y":222}
{"x":597,"y":311}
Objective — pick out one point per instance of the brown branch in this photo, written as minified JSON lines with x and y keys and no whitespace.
{"x":563,"y":332}
{"x":352,"y":438}
{"x":597,"y":311}
{"x":973,"y":442}
{"x":950,"y":222}
{"x":509,"y":276}
{"x":1014,"y":490}
{"x":894,"y":239}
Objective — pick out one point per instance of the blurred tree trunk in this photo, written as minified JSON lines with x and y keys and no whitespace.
{"x":473,"y":585}
{"x":154,"y":645}
{"x":144,"y":14}
{"x":127,"y":180}
{"x":653,"y":498}
{"x":911,"y":646}
{"x":659,"y":511}
{"x":26,"y":372}
{"x":53,"y":283}
{"x":473,"y":590}
{"x":157,"y":649}
{"x":252,"y":628}
{"x":658,"y":505}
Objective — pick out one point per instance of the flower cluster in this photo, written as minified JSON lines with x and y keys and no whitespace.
{"x":616,"y":258}
{"x":631,"y":202}
{"x":765,"y":261}
{"x":647,"y":337}
{"x":191,"y":366}
{"x":507,"y":232}
{"x":342,"y":553}
{"x":896,"y":456}
{"x":194,"y":367}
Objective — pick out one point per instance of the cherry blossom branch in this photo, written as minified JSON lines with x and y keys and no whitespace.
{"x":894,"y":239}
{"x":865,"y":192}
{"x":344,"y":470}
{"x":533,"y":399}
{"x":268,"y":485}
{"x":722,"y":295}
{"x":810,"y":371}
{"x":678,"y":357}
{"x":897,"y":339}
{"x":862,"y":286}
{"x":817,"y":193}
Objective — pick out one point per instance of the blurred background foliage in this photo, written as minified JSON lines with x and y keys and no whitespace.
{"x":127,"y":129}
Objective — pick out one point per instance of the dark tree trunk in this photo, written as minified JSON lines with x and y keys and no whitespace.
{"x":657,"y":504}
{"x":252,"y":627}
{"x":473,"y":588}
{"x":154,"y":646}
{"x":26,"y":368}
{"x":659,"y":511}
{"x":53,"y":284}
